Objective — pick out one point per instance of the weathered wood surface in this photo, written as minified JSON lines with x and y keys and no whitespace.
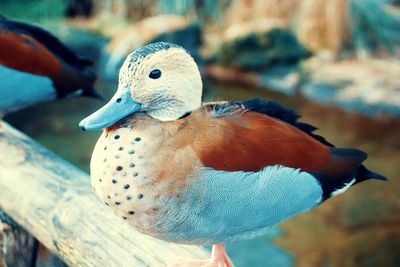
{"x":16,"y":245}
{"x":54,"y":201}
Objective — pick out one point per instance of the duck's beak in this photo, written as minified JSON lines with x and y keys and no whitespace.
{"x":120,"y":106}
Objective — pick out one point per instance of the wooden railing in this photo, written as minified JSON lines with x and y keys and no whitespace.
{"x":53,"y":201}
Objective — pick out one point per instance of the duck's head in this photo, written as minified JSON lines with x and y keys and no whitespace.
{"x":160,"y":79}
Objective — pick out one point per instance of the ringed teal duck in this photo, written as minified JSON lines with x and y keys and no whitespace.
{"x":35,"y":66}
{"x":207,"y":174}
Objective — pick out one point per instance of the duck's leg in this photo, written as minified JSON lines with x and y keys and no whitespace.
{"x":219,"y":258}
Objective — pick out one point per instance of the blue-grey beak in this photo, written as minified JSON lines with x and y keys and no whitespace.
{"x":120,"y":106}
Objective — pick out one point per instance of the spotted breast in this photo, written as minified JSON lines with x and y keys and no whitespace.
{"x":133,"y":170}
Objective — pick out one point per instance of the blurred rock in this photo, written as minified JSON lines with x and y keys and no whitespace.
{"x":188,"y":37}
{"x":323,"y":25}
{"x":259,"y":25}
{"x":281,"y":78}
{"x":259,"y":45}
{"x":242,"y":11}
{"x":371,"y":87}
{"x":167,"y":28}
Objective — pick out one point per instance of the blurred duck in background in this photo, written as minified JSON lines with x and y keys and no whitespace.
{"x":35,"y":67}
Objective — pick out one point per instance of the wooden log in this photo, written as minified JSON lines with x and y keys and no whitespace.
{"x":16,"y":244}
{"x":54,"y":201}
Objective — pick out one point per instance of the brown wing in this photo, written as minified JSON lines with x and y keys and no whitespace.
{"x":250,"y":141}
{"x":22,"y":52}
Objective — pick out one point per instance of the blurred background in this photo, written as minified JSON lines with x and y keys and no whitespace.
{"x":337,"y":62}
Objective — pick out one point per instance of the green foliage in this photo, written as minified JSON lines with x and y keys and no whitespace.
{"x":177,"y":7}
{"x":33,"y":10}
{"x":204,"y":9}
{"x":374,"y":27}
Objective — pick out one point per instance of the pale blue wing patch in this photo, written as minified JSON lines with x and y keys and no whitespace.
{"x":225,"y":206}
{"x":20,"y":89}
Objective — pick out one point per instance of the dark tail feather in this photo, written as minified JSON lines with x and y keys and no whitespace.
{"x":339,"y":176}
{"x":365,"y":174}
{"x":354,"y":157}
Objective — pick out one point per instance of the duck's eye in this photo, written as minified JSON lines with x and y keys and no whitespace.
{"x":155,"y":74}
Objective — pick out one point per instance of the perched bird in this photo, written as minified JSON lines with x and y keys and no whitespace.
{"x":207,"y":174}
{"x":35,"y":66}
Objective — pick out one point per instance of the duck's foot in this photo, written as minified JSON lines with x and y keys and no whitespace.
{"x":219,"y":258}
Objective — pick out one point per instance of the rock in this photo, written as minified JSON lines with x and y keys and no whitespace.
{"x":370,"y":87}
{"x":259,"y":25}
{"x":188,"y":37}
{"x":281,"y":78}
{"x":260,"y":49}
{"x":167,"y":28}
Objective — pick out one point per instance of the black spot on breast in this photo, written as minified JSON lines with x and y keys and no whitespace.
{"x":100,"y":180}
{"x":105,"y":148}
{"x":126,"y":186}
{"x":132,"y":165}
{"x":114,"y":181}
{"x":123,"y":217}
{"x":140,"y":196}
{"x":137,"y":139}
{"x":106,"y":203}
{"x":131,"y":152}
{"x":116,"y":137}
{"x":117,"y":203}
{"x":135,"y":174}
{"x":109,"y":197}
{"x":120,"y":148}
{"x":119,"y":168}
{"x":131,"y":212}
{"x":129,"y":197}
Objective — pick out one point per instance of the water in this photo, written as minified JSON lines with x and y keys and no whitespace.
{"x":350,"y":230}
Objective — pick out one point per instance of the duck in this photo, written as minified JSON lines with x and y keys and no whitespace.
{"x":198,"y":173}
{"x":35,"y":66}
